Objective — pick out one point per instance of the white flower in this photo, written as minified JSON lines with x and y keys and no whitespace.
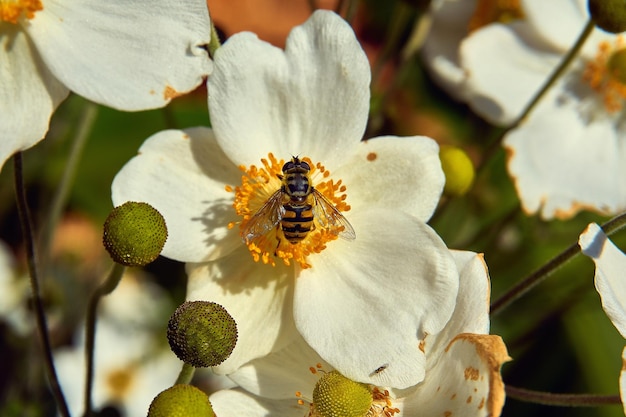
{"x":610,"y":284}
{"x":130,"y":365}
{"x":452,"y":22}
{"x":462,"y":368}
{"x":569,"y":153}
{"x":359,"y":303}
{"x":127,"y":55}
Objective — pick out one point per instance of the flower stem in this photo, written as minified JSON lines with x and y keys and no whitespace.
{"x":40,"y":317}
{"x":523,"y":286}
{"x":186,"y":374}
{"x":556,"y":74}
{"x":90,"y":328}
{"x":561,"y":400}
{"x":88,"y":117}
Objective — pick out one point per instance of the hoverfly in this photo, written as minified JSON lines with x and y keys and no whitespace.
{"x":295,"y":207}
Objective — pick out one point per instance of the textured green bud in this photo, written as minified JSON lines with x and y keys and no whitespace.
{"x":335,"y":395}
{"x":458,"y":169}
{"x":134,"y":234}
{"x":181,"y":401}
{"x":202,"y":333}
{"x":609,"y":15}
{"x":617,"y":65}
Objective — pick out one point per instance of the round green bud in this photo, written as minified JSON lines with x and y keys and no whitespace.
{"x":617,"y":65}
{"x":202,"y":333}
{"x":335,"y":395}
{"x":458,"y":169}
{"x":181,"y":401}
{"x":134,"y":234}
{"x":609,"y":15}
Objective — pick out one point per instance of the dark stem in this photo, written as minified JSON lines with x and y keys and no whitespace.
{"x":528,"y":283}
{"x":40,"y":316}
{"x":90,"y":328}
{"x":561,"y":400}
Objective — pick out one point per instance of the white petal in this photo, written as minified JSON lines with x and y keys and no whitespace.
{"x":311,"y":100}
{"x":128,"y":55}
{"x":465,"y":381}
{"x":562,"y":164}
{"x":29,"y":93}
{"x":259,"y":297}
{"x":560,"y":33}
{"x":450,"y":24}
{"x":183,"y":174}
{"x":610,"y":266}
{"x":402,"y":173}
{"x":506,"y":67}
{"x":367,"y":303}
{"x":281,"y":373}
{"x":237,"y":403}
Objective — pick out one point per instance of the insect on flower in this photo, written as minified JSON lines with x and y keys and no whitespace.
{"x":296,"y":207}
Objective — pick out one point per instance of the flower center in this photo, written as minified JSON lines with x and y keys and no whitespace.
{"x":606,"y":74}
{"x":490,"y":11}
{"x":335,"y":395}
{"x":289,"y":210}
{"x":12,"y":10}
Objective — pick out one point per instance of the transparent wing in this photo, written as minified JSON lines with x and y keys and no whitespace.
{"x":265,"y":219}
{"x":330,"y":218}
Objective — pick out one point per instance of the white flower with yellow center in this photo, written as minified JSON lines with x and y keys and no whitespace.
{"x":462,"y":372}
{"x":128,"y":55}
{"x":361,"y":298}
{"x":610,"y":284}
{"x":570,"y":153}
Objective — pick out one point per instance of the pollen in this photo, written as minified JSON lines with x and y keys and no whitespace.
{"x":491,"y":11}
{"x":265,"y":207}
{"x":606,"y":74}
{"x":12,"y":10}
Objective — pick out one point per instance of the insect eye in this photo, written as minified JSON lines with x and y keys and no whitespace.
{"x":304,"y":165}
{"x":288,"y":165}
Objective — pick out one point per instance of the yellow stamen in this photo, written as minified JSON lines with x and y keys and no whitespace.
{"x":605,"y":74}
{"x":491,"y":11}
{"x":12,"y":10}
{"x":258,"y":185}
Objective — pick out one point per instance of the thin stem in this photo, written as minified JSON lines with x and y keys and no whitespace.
{"x":40,"y":316}
{"x":561,"y":400}
{"x":186,"y":374}
{"x":523,"y":286}
{"x":86,"y":123}
{"x":90,"y":328}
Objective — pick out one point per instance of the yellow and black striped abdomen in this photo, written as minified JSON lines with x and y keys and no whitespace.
{"x":297,"y":221}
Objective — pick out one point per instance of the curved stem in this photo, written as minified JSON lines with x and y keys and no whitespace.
{"x":523,"y":286}
{"x":556,"y":74}
{"x":85,"y":125}
{"x":561,"y":400}
{"x":90,"y":328}
{"x":186,"y":374}
{"x":40,"y":316}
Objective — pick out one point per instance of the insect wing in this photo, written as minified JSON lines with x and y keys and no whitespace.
{"x":330,"y":218}
{"x":265,"y":219}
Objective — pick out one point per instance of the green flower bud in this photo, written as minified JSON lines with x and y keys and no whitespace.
{"x":181,"y":401}
{"x":458,"y":169}
{"x":609,"y":15}
{"x":134,"y":234}
{"x":335,"y":395}
{"x":202,"y":333}
{"x":617,"y":65}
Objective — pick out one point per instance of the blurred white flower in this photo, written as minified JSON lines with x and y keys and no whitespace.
{"x":128,"y":55}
